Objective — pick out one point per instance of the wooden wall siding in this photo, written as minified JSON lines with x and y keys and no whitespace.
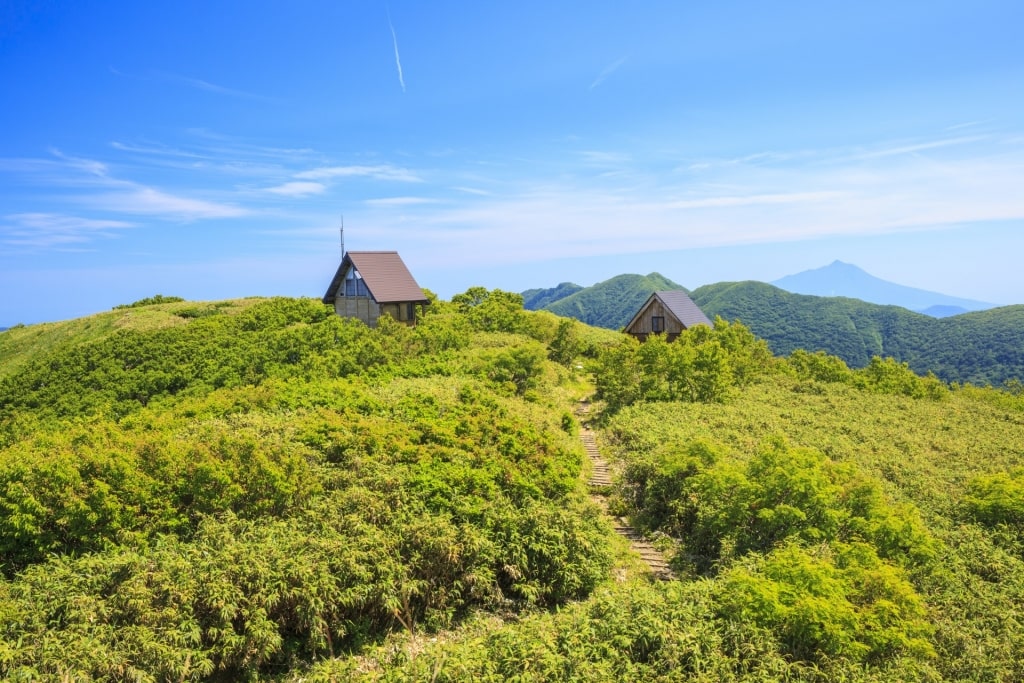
{"x":643,"y":325}
{"x":365,"y":308}
{"x":396,"y":311}
{"x":361,"y":307}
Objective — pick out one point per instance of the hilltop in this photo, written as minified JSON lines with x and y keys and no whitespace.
{"x":258,"y":489}
{"x":609,"y":304}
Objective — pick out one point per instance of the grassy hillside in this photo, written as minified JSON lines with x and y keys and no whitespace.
{"x":20,"y":343}
{"x":980,"y":347}
{"x":827,"y":523}
{"x":233,"y":490}
{"x":610,"y":304}
{"x":260,"y":490}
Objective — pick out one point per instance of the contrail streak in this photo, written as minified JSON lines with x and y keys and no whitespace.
{"x":398,"y":60}
{"x":607,"y":72}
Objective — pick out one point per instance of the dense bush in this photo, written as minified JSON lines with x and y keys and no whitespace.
{"x":997,"y":499}
{"x":241,"y":492}
{"x":703,"y":364}
{"x":150,"y":301}
{"x":720,"y":510}
{"x":261,"y":490}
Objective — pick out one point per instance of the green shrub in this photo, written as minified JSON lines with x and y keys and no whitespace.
{"x":822,"y":604}
{"x":997,"y":499}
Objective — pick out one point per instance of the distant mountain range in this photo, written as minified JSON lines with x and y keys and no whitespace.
{"x":979,"y":347}
{"x":844,"y":279}
{"x":607,"y":304}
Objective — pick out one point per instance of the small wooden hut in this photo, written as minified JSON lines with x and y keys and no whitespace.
{"x":667,"y":313}
{"x":370,"y":284}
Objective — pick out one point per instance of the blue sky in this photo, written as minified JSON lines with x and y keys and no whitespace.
{"x":208,"y":149}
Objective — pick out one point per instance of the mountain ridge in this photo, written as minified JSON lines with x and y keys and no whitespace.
{"x":609,"y":304}
{"x":979,"y":347}
{"x":847,"y":280}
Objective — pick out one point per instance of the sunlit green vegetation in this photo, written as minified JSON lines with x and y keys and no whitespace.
{"x":263,"y":485}
{"x":869,"y":516}
{"x":260,"y":490}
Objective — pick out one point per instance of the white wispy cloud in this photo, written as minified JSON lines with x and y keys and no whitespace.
{"x":196,"y":83}
{"x":473,"y":190}
{"x":398,"y":59}
{"x":916,"y":147}
{"x":378,"y":172}
{"x":599,"y":158}
{"x":141,"y":200}
{"x":90,"y":166}
{"x":757,"y":198}
{"x":608,"y":71}
{"x":297,"y":189}
{"x":129,"y":197}
{"x":400,"y":201}
{"x":50,"y":230}
{"x":754,"y":200}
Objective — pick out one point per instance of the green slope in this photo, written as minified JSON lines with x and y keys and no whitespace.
{"x":536,"y":299}
{"x":259,"y":490}
{"x":981,"y":347}
{"x":23,"y":342}
{"x":231,"y":491}
{"x":611,"y":303}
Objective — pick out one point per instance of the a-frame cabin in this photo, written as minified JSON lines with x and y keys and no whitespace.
{"x":667,"y":313}
{"x":370,"y":284}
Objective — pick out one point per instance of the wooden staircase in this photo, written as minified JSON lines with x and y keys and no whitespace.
{"x":600,"y":480}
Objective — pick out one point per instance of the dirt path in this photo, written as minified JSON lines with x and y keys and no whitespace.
{"x":600,"y":480}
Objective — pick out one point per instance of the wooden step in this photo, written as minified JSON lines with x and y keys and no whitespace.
{"x":600,"y":479}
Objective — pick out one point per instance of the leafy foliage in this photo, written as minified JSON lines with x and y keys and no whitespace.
{"x":151,"y":301}
{"x":871,"y":487}
{"x":260,"y":490}
{"x":253,"y":488}
{"x":997,"y":499}
{"x":702,"y":364}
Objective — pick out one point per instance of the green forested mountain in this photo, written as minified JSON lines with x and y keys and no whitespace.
{"x":608,"y":304}
{"x":536,"y":299}
{"x":259,"y":490}
{"x":980,"y":347}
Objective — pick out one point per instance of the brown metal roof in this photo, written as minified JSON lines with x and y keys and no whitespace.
{"x":385,"y":275}
{"x":682,"y":307}
{"x":679,"y":304}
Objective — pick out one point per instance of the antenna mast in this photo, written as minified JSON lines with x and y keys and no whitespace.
{"x":343,"y":236}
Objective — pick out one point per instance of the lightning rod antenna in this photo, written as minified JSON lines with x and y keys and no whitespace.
{"x":343,"y":236}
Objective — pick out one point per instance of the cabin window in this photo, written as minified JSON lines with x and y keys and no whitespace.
{"x":354,"y":285}
{"x":657,"y":323}
{"x":411,"y":312}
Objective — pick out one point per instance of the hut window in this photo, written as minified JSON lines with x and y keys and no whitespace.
{"x":354,"y":285}
{"x":657,"y":323}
